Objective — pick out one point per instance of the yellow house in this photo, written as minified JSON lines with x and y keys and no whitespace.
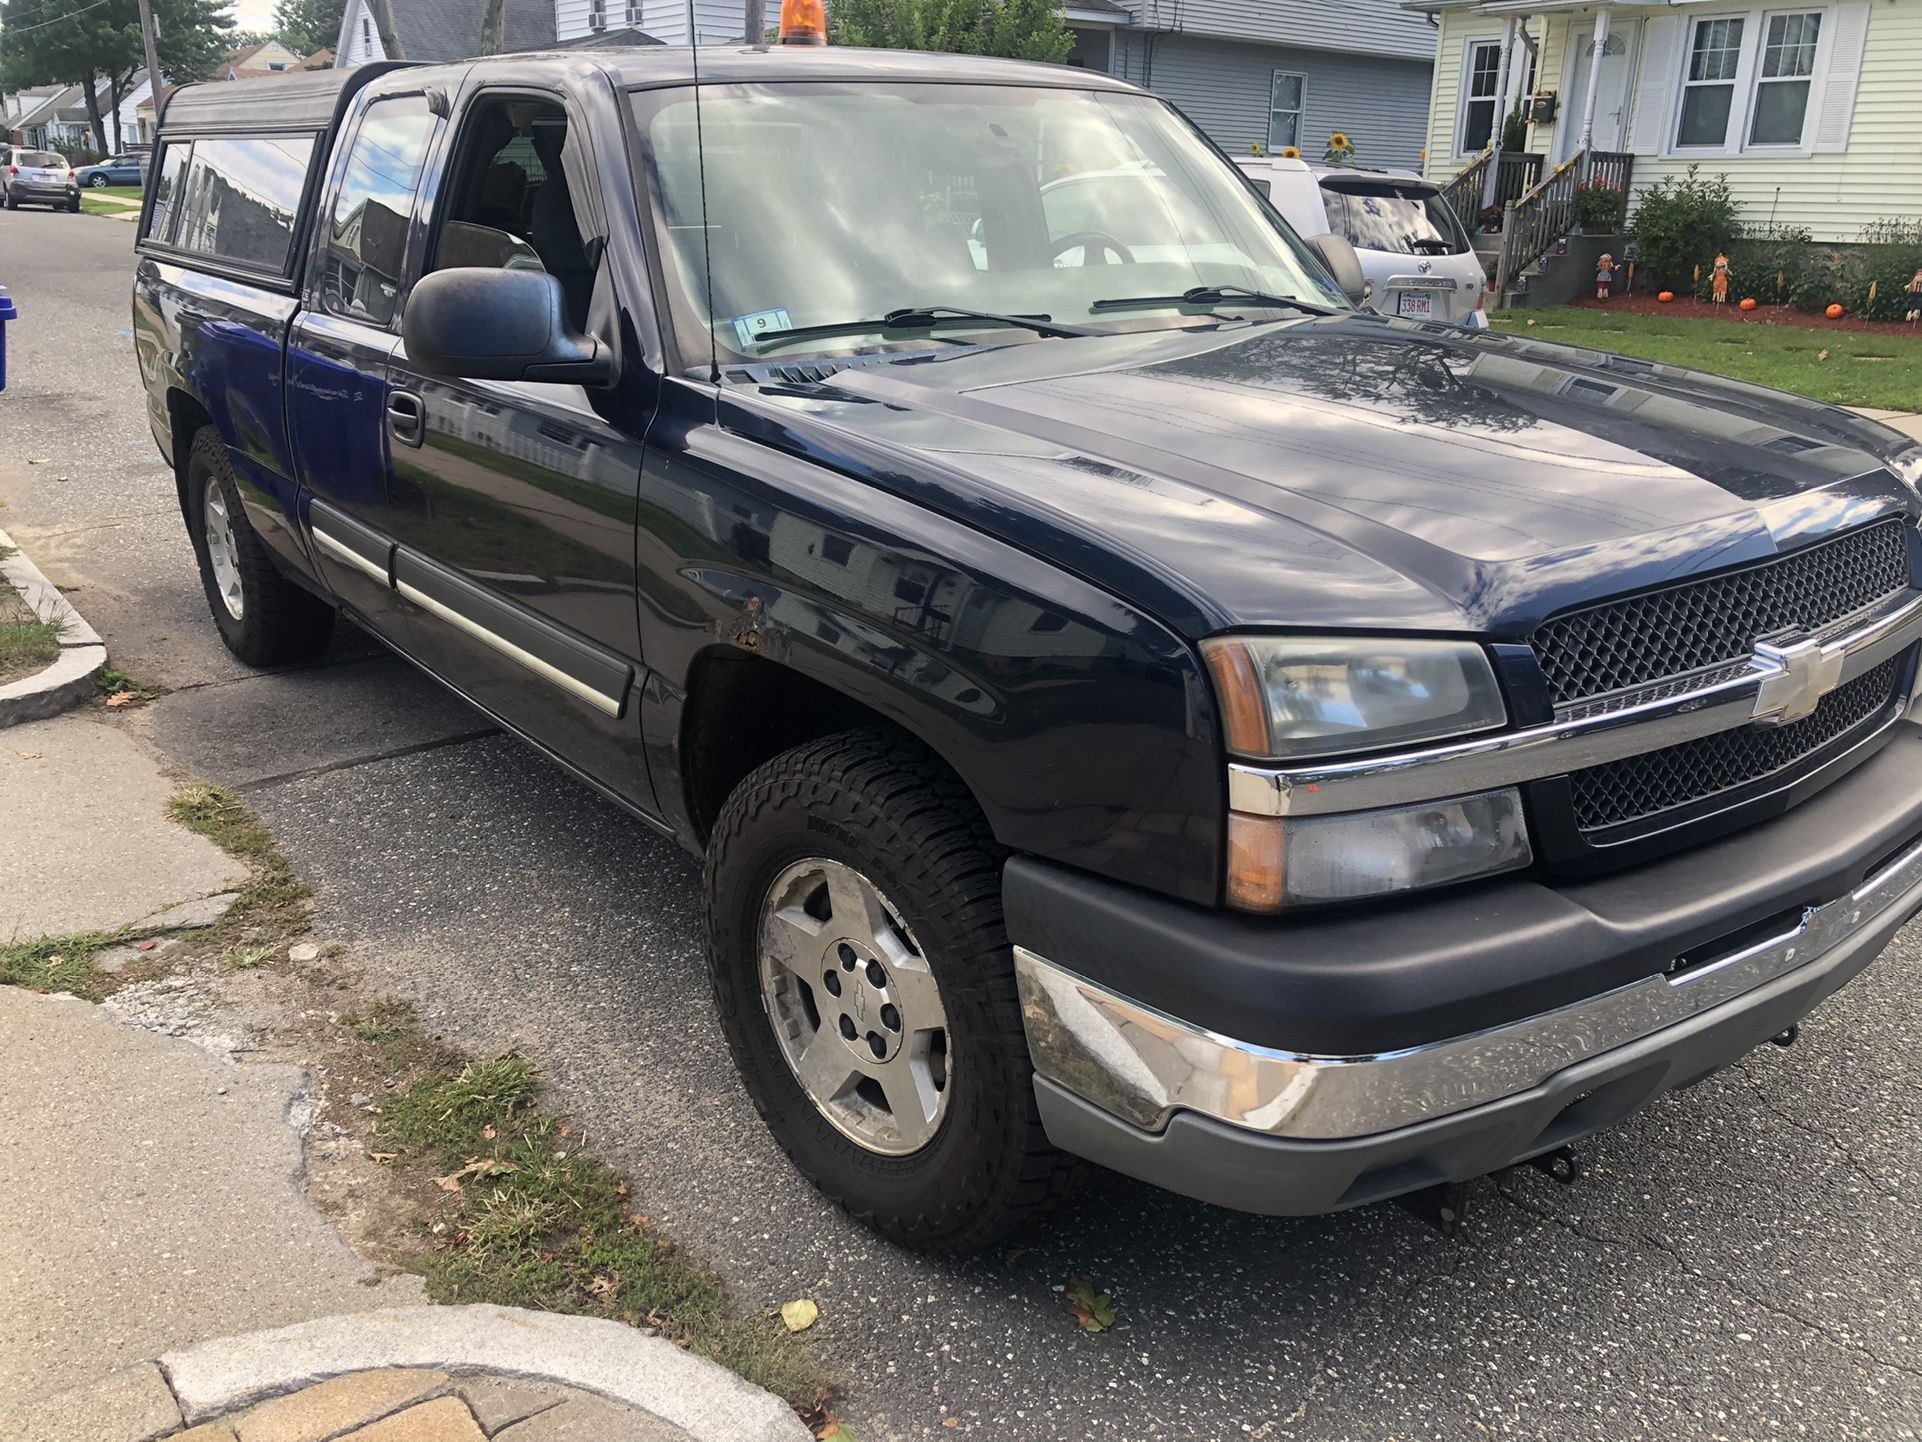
{"x":1813,"y":111}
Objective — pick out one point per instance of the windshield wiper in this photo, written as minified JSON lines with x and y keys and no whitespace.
{"x":1211,"y":295}
{"x":920,"y":317}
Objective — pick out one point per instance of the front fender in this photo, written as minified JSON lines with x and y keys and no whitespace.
{"x":1085,"y":729}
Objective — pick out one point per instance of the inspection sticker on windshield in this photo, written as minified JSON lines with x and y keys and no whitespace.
{"x":751,"y":328}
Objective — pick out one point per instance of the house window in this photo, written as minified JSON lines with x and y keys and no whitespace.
{"x":1285,"y":94}
{"x":838,"y":549}
{"x":1782,"y":89}
{"x":1479,"y":98}
{"x":1708,"y":90}
{"x":597,"y":14}
{"x":633,"y":15}
{"x":366,"y":34}
{"x":1748,"y":80}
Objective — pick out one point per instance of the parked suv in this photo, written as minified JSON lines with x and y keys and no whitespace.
{"x":41,"y":177}
{"x":1128,"y":701}
{"x":1419,"y":262}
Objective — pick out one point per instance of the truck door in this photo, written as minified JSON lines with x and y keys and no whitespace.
{"x":357,"y":503}
{"x":525,"y":577}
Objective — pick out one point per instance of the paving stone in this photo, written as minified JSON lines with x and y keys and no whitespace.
{"x":131,"y":1406}
{"x":499,"y":1402}
{"x":445,"y":1419}
{"x":316,"y":1413}
{"x":592,"y":1419}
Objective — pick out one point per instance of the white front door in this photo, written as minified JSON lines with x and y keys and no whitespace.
{"x":1611,"y":88}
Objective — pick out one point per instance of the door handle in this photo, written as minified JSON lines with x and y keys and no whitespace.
{"x":406,"y":417}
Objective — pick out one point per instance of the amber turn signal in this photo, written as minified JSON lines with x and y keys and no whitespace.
{"x":1256,"y":877}
{"x":804,"y":22}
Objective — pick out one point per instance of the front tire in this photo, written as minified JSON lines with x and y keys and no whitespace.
{"x":866,"y":986}
{"x":265,"y":619}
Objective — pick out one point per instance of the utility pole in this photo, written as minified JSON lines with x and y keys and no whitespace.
{"x":154,"y":81}
{"x":754,"y":22}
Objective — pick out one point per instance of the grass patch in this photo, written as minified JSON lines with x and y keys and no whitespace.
{"x":533,"y":1220}
{"x":272,"y":903}
{"x":27,"y":643}
{"x":386,"y":1019}
{"x":116,"y":689}
{"x":57,"y":964}
{"x":1839,"y":367}
{"x":92,"y":204}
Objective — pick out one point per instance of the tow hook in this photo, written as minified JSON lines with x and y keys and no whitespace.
{"x":1787,"y":1038}
{"x":1560,"y":1165}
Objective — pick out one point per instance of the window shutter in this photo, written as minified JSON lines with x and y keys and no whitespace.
{"x":1845,"y":74}
{"x":1661,"y":60}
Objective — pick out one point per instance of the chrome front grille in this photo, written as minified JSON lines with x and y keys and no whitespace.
{"x":1639,"y":787}
{"x":1684,"y":628}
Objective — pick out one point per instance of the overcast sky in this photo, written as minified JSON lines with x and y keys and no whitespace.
{"x":254,"y":14}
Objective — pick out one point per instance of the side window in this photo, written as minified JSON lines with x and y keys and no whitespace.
{"x":361,"y":268}
{"x":239,"y":199}
{"x":507,"y":200}
{"x":166,"y":189}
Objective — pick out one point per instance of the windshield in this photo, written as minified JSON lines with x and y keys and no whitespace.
{"x":831,"y":204}
{"x":1383,"y":215}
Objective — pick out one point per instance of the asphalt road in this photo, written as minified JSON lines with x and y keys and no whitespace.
{"x":1743,"y":1261}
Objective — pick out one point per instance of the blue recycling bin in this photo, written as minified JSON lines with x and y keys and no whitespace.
{"x":7,"y":313}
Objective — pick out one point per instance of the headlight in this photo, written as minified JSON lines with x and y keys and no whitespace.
{"x":1284,"y":697}
{"x":1275,"y":863}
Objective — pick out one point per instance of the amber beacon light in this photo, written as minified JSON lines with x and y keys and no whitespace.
{"x":804,"y":22}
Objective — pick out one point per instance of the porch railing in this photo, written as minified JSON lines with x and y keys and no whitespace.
{"x":1520,"y":170}
{"x":1546,"y":210}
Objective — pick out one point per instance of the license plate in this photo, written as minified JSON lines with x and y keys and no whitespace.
{"x":1415,"y":303}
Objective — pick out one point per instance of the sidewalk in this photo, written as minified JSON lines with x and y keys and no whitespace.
{"x":166,"y":1270}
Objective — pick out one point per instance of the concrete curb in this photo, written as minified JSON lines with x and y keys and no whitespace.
{"x":615,"y":1361}
{"x":69,"y":680}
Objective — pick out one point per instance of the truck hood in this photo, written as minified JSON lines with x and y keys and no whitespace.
{"x":1348,"y":472}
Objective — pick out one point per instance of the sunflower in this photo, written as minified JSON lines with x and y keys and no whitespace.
{"x":1339,"y":141}
{"x":1291,"y":152}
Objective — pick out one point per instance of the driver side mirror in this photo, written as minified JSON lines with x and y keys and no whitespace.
{"x":476,"y":323}
{"x":1342,"y":262}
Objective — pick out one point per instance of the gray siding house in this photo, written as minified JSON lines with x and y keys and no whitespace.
{"x":1274,"y":72}
{"x":1268,"y":72}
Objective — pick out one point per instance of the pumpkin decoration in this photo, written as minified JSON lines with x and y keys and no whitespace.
{"x":1666,"y":296}
{"x":1748,"y":303}
{"x":1834,"y":312}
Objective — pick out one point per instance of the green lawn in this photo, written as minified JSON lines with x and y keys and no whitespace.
{"x":1846,"y":368}
{"x":125,"y":192}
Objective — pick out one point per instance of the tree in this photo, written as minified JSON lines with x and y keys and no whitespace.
{"x":88,"y":43}
{"x":1018,"y":29}
{"x":305,"y":26}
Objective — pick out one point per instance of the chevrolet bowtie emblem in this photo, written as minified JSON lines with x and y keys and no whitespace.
{"x":1794,"y":680}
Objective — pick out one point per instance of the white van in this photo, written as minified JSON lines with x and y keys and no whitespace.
{"x":1413,"y":248}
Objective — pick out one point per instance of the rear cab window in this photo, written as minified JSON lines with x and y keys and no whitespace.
{"x":1386,"y":215}
{"x":40,"y":160}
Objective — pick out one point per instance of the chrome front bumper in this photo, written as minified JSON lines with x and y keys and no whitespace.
{"x":1143,"y":1066}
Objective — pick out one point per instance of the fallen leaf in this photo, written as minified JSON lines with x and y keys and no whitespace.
{"x":123,"y":698}
{"x":145,"y":945}
{"x":1095,"y":1311}
{"x":449,"y":1183}
{"x":602,"y":1286}
{"x":487,"y":1132}
{"x":799,"y":1315}
{"x":29,"y":755}
{"x":1821,"y":355}
{"x":620,"y":1189}
{"x":382,"y":1156}
{"x":950,"y":1422}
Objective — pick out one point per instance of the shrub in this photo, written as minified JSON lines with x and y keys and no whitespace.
{"x":1597,"y":206}
{"x":1890,"y":254}
{"x":1683,"y":222}
{"x":1775,"y":265}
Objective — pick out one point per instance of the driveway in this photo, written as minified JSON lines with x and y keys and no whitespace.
{"x":1743,"y":1261}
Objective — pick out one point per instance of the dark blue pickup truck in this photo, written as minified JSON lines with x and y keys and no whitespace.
{"x":1133,"y":701}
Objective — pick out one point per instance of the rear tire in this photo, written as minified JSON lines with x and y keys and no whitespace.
{"x":265,"y":619}
{"x":73,"y":206}
{"x":867,"y":804}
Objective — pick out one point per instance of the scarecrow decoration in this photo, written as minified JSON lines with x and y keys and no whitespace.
{"x":1718,"y":283}
{"x":1914,"y":288}
{"x":1604,"y":276}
